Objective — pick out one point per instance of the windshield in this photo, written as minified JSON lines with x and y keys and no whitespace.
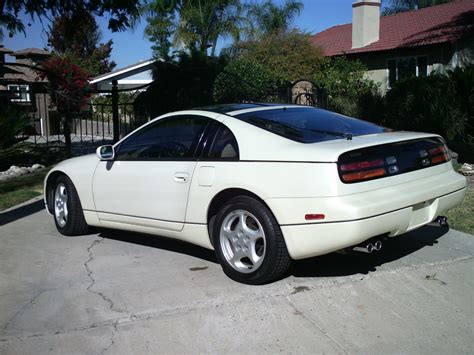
{"x":309,"y":125}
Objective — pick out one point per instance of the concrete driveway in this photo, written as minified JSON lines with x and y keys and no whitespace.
{"x":122,"y":293}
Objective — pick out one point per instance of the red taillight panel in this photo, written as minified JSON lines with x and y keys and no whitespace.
{"x":439,"y":155}
{"x":362,"y":165}
{"x":437,"y":150}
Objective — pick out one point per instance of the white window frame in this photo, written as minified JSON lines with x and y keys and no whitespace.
{"x":397,"y":59}
{"x":18,"y":88}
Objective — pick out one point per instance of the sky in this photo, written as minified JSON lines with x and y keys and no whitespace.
{"x":131,"y":46}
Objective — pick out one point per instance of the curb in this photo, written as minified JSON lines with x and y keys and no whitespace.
{"x":30,"y":201}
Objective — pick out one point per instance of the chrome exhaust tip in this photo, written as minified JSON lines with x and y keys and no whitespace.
{"x":369,"y":248}
{"x":377,"y":245}
{"x":442,"y":221}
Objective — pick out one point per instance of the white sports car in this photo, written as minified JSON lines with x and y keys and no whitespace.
{"x":260,"y":184}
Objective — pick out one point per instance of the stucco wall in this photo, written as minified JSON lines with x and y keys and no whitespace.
{"x":439,"y":58}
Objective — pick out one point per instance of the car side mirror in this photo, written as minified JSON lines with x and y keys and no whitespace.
{"x":106,"y":152}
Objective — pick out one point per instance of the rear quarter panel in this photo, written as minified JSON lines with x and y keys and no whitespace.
{"x":264,"y":179}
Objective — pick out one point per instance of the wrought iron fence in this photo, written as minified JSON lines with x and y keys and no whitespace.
{"x":106,"y":122}
{"x":99,"y":123}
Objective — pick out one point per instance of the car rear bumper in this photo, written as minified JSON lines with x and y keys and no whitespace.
{"x":308,"y":240}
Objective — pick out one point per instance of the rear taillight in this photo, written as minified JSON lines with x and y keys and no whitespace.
{"x":363,"y":175}
{"x":362,"y":165}
{"x":391,"y":159}
{"x":439,"y":155}
{"x":362,"y":170}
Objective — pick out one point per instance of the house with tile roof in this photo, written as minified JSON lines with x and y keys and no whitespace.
{"x":413,"y":43}
{"x":20,"y":84}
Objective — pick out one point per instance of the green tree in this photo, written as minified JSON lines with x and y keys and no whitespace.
{"x":395,"y":6}
{"x":289,"y":56}
{"x":345,"y":83}
{"x":77,"y":37}
{"x":245,"y":80}
{"x":192,"y":25}
{"x":268,"y":18}
{"x":121,"y":13}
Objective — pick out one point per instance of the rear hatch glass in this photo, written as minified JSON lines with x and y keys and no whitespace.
{"x":309,"y":125}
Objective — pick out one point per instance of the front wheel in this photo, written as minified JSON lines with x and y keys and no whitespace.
{"x":68,"y":214}
{"x":249,"y":243}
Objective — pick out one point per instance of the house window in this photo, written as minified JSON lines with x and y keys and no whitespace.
{"x":406,"y":67}
{"x":21,"y":91}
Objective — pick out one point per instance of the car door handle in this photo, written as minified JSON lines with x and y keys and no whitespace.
{"x":181,"y":177}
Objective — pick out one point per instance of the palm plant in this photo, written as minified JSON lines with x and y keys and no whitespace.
{"x":269,"y":18}
{"x":12,"y":122}
{"x":193,"y":25}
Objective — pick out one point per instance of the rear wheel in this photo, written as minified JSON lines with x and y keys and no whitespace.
{"x":68,"y":214}
{"x":249,"y":243}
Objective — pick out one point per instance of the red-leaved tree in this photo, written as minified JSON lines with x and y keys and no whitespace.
{"x":69,"y":87}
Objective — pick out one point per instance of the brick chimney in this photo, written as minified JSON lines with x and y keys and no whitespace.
{"x":365,"y":23}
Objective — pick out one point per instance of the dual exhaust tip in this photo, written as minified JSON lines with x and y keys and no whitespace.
{"x":375,"y":244}
{"x":368,"y":247}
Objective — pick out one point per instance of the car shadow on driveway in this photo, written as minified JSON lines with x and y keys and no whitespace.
{"x":334,"y":264}
{"x":331,"y":265}
{"x":155,"y":241}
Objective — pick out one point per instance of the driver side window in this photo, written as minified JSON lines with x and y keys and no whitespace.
{"x":171,"y":138}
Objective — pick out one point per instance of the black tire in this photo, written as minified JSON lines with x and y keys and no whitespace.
{"x":74,"y":224}
{"x":276,"y":260}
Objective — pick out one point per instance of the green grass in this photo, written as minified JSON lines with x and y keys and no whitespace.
{"x":462,"y":217}
{"x":17,"y":190}
{"x":21,"y":189}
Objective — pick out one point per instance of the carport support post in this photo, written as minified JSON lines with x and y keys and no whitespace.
{"x":115,"y":111}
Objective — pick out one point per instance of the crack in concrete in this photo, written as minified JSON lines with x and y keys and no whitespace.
{"x":104,"y":297}
{"x":22,"y":309}
{"x":93,"y":281}
{"x":146,"y":316}
{"x":112,"y":340}
{"x":316,"y":325}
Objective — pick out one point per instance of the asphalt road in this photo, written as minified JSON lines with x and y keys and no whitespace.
{"x":123,"y":293}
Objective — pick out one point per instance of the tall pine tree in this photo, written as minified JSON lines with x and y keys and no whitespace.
{"x":77,"y":37}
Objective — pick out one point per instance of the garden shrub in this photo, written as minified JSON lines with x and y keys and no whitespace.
{"x":428,"y":104}
{"x":245,"y":80}
{"x":345,"y":83}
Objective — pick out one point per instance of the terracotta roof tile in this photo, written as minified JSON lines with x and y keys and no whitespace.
{"x":436,"y":24}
